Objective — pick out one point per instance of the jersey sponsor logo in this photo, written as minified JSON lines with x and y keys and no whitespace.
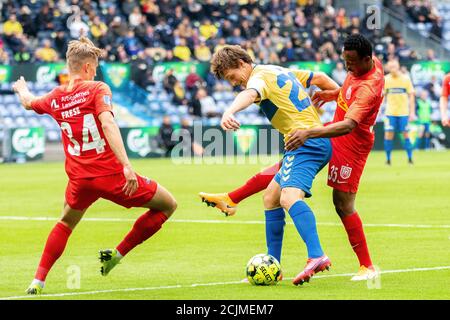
{"x":345,"y":172}
{"x":54,"y":105}
{"x":341,"y":103}
{"x":107,"y":100}
{"x":74,"y":99}
{"x":348,"y":93}
{"x":396,"y":90}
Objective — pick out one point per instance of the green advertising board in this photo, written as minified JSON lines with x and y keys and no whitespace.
{"x":180,"y":69}
{"x":5,"y":74}
{"x":116,"y":75}
{"x":24,"y":144}
{"x":140,"y":142}
{"x":422,"y":71}
{"x":313,"y":66}
{"x":45,"y":73}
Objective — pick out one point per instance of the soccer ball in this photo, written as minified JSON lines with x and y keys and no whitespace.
{"x":263,"y":270}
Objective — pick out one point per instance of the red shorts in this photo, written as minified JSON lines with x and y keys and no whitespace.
{"x":81,"y":193}
{"x":345,"y":170}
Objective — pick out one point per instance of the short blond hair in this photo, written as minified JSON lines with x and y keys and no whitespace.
{"x":79,"y":51}
{"x":227,"y":58}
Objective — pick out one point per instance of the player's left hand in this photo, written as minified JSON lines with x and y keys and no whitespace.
{"x":20,"y":85}
{"x":296,"y":139}
{"x":229,"y":122}
{"x":132,"y":183}
{"x":412,"y":117}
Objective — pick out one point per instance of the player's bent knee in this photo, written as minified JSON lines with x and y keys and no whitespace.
{"x":271,"y":201}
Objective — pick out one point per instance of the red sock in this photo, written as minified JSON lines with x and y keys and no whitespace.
{"x":144,"y":227}
{"x":355,"y":232}
{"x":54,"y":247}
{"x":255,"y":184}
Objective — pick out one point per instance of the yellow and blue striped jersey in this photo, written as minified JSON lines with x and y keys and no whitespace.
{"x":397,"y":90}
{"x":283,"y":97}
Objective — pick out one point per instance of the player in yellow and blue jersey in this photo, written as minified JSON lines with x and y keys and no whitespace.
{"x":400,"y":108}
{"x":281,"y":94}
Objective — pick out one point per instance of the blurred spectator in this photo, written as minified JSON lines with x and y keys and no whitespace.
{"x":99,"y":30}
{"x":60,"y":43}
{"x":193,"y":81}
{"x":78,"y":28}
{"x":434,"y":88}
{"x":128,"y":6}
{"x":4,"y":57}
{"x":135,"y":17}
{"x":182,"y":51}
{"x":12,"y":27}
{"x":131,"y":44}
{"x":207,"y":29}
{"x":170,"y":57}
{"x":151,"y":10}
{"x":403,"y":51}
{"x":186,"y":137}
{"x":202,"y":52}
{"x":46,"y":53}
{"x":26,"y":20}
{"x":44,"y":19}
{"x":208,"y":105}
{"x":179,"y":94}
{"x":288,"y":53}
{"x":169,"y":81}
{"x":164,"y":137}
{"x":339,"y":74}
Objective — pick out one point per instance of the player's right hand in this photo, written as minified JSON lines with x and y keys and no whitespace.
{"x":131,"y":183}
{"x":445,"y":122}
{"x":229,"y":122}
{"x":320,"y":97}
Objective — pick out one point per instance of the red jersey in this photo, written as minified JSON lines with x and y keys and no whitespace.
{"x":360,"y":99}
{"x":88,"y":154}
{"x":446,"y":86}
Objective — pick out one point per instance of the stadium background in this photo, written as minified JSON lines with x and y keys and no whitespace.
{"x":199,"y":254}
{"x":157,"y":57}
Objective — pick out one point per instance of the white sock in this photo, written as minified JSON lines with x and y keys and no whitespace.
{"x":38,"y":282}
{"x":119,"y":255}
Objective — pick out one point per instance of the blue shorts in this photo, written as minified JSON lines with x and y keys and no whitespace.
{"x":396,"y":123}
{"x":301,"y":166}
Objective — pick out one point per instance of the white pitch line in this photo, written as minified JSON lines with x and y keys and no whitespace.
{"x":194,"y":285}
{"x":228,"y":221}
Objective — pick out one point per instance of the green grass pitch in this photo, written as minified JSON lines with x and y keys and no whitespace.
{"x":200,"y":254}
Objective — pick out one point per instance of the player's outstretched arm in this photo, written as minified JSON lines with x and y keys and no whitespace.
{"x":298,"y":138}
{"x":324,"y":82}
{"x":25,"y":96}
{"x":114,"y":138}
{"x":242,"y":101}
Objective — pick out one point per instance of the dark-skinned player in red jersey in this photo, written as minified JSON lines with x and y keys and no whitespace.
{"x":358,"y":103}
{"x":96,"y":162}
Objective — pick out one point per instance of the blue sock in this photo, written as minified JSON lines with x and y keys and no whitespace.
{"x":274,"y":231}
{"x":305,"y":222}
{"x":388,"y":148}
{"x":408,"y":148}
{"x":427,"y":143}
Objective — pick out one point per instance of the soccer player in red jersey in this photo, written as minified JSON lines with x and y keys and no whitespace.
{"x":96,"y":162}
{"x":358,"y":103}
{"x":444,"y":100}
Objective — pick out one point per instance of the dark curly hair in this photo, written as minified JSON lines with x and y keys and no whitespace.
{"x":360,"y":44}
